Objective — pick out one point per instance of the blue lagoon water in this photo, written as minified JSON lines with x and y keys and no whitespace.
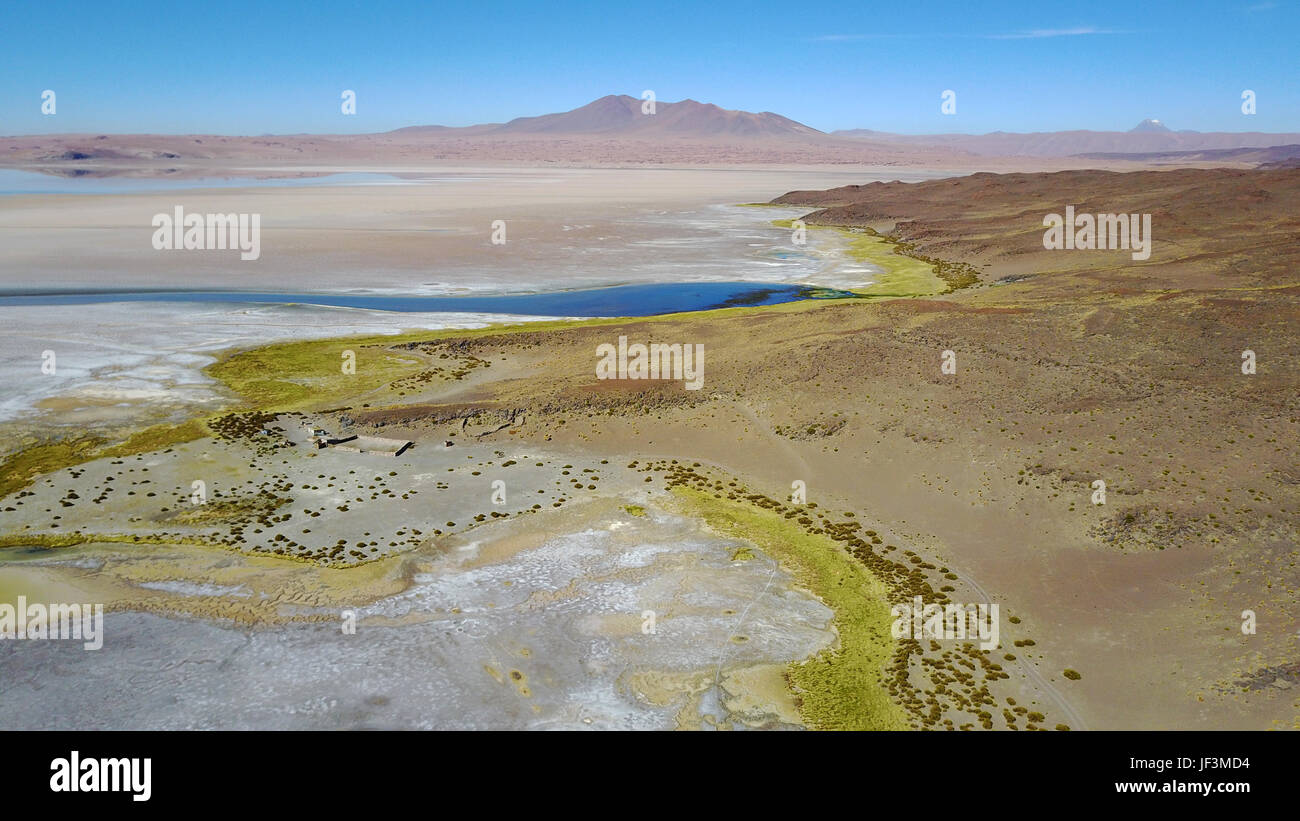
{"x":615,"y":301}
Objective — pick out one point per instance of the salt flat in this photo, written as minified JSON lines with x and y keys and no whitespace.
{"x":565,"y":227}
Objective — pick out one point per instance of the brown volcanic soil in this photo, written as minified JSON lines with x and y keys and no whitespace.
{"x":1238,"y":225}
{"x":1090,"y":367}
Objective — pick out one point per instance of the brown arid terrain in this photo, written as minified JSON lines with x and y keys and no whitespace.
{"x":1212,"y":228}
{"x":1071,"y":367}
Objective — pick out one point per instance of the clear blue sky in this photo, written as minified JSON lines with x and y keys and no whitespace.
{"x":268,"y":67}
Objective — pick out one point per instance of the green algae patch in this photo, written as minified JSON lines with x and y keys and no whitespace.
{"x":842,"y":688}
{"x":53,"y":541}
{"x":19,"y":469}
{"x":903,"y":275}
{"x":634,"y":510}
{"x":158,"y":437}
{"x":311,"y":374}
{"x":905,"y":272}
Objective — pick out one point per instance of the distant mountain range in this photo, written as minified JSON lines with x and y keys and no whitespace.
{"x":1147,"y":138}
{"x":615,"y":129}
{"x":621,"y":115}
{"x":1273,"y":156}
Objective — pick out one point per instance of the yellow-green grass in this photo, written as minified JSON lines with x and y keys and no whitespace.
{"x":901,"y":276}
{"x":158,"y":437}
{"x":841,"y":688}
{"x":56,"y":540}
{"x":307,"y":374}
{"x":19,"y":469}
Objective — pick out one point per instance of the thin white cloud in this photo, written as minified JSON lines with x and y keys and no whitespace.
{"x":1262,"y":6}
{"x":1041,"y":33}
{"x":1034,"y":34}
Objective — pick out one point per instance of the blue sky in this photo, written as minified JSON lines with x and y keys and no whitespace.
{"x":266,"y":67}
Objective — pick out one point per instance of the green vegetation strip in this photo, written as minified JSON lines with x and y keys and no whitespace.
{"x":841,"y":688}
{"x":308,"y":374}
{"x":904,"y":275}
{"x":907,"y":272}
{"x":158,"y":437}
{"x":295,"y":375}
{"x":19,"y":469}
{"x":56,"y":540}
